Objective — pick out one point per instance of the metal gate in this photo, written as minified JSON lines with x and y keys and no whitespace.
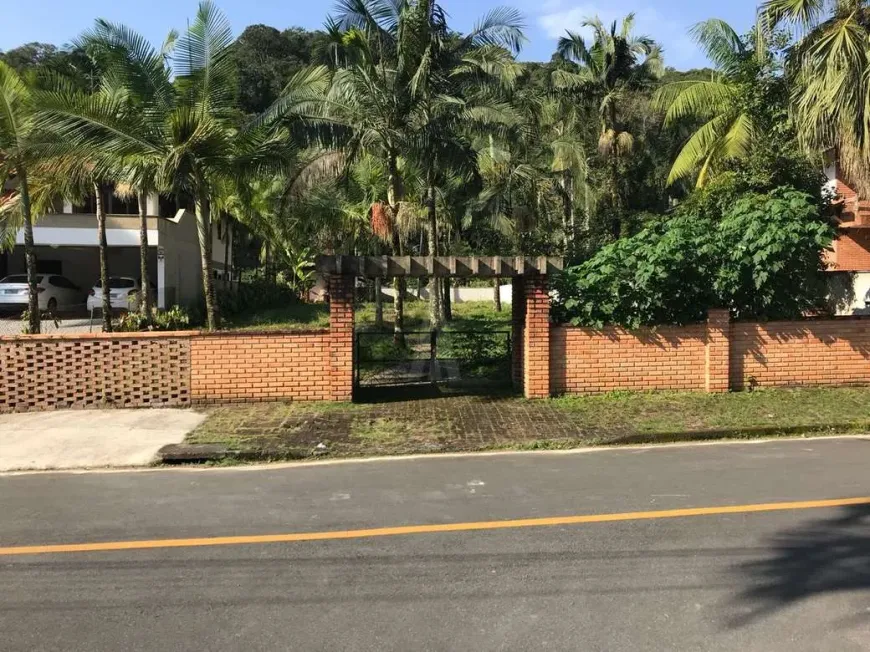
{"x":454,"y":358}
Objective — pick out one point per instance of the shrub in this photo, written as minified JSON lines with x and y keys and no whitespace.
{"x":762,"y":259}
{"x":174,"y":319}
{"x":254,"y":295}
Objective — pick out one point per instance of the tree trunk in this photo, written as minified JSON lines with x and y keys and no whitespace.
{"x":616,"y":199}
{"x":616,"y":218}
{"x":203,"y":230}
{"x":145,"y":296}
{"x":399,"y":286}
{"x":435,"y":313}
{"x":496,"y":294}
{"x":447,"y":304}
{"x":227,"y":266}
{"x":379,"y":304}
{"x":29,"y":255}
{"x":268,"y":266}
{"x":394,"y":196}
{"x":104,"y":266}
{"x":587,"y":203}
{"x":566,"y":182}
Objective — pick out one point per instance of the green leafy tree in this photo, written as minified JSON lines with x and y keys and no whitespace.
{"x":762,"y":259}
{"x":266,"y":59}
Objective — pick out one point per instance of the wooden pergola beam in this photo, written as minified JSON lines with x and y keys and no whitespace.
{"x":452,"y":266}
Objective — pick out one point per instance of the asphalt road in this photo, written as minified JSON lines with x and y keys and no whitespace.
{"x":790,"y":579}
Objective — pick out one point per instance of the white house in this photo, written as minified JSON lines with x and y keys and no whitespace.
{"x":66,"y":244}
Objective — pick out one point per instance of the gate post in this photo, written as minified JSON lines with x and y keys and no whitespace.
{"x":518,"y":319}
{"x":536,"y":338}
{"x":341,"y":337}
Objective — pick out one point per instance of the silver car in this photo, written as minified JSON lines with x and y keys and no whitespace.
{"x":124,"y":293}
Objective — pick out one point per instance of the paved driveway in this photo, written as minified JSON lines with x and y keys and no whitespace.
{"x":68,"y":439}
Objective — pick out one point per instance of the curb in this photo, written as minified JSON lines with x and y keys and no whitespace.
{"x":203,"y":453}
{"x":174,"y":454}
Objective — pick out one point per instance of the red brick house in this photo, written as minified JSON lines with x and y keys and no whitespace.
{"x":849,"y":262}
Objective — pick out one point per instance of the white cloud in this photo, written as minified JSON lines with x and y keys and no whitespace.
{"x":670,"y":33}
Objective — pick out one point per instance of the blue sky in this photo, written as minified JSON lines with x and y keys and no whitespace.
{"x":58,"y":21}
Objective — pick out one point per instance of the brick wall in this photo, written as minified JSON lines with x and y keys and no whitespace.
{"x":176,"y":369}
{"x":586,"y":360}
{"x":44,"y":372}
{"x":229,"y":367}
{"x":851,"y":251}
{"x":829,"y":352}
{"x":713,"y":357}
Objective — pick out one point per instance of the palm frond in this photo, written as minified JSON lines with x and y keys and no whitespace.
{"x":203,"y":61}
{"x":720,"y":43}
{"x":698,"y":149}
{"x":573,"y":48}
{"x":804,"y":14}
{"x":694,"y":99}
{"x":502,"y":27}
{"x":130,"y":61}
{"x":368,"y":15}
{"x":15,"y":109}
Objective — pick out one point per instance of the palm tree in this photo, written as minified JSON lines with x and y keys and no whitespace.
{"x":728,"y":128}
{"x":16,"y":157}
{"x":829,"y":70}
{"x":73,"y":176}
{"x":402,"y":93}
{"x":272,"y":208}
{"x":617,"y":64}
{"x":187,"y":126}
{"x":130,"y":65}
{"x":561,"y":133}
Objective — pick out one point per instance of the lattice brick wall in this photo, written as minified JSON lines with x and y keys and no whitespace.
{"x":120,"y":370}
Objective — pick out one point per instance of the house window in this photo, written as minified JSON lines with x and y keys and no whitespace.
{"x":87,"y":206}
{"x":168,"y":206}
{"x":55,"y":206}
{"x":114,"y":205}
{"x":220,"y":234}
{"x":49,"y":267}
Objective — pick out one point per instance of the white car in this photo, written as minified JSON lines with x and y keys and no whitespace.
{"x":124,"y":293}
{"x":54,"y":293}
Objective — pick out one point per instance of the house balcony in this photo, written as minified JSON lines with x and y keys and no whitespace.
{"x":80,"y":229}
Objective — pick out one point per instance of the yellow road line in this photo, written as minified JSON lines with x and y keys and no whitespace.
{"x":427,"y":529}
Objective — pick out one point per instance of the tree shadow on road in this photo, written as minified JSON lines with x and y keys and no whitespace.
{"x":818,"y":557}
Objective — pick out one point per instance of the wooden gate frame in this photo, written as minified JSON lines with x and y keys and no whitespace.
{"x":530,"y":307}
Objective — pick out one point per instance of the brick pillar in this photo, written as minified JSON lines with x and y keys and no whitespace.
{"x":536,"y":338}
{"x":341,"y":337}
{"x":718,"y":350}
{"x":518,"y":320}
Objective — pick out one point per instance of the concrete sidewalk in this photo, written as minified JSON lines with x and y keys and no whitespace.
{"x":69,"y":439}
